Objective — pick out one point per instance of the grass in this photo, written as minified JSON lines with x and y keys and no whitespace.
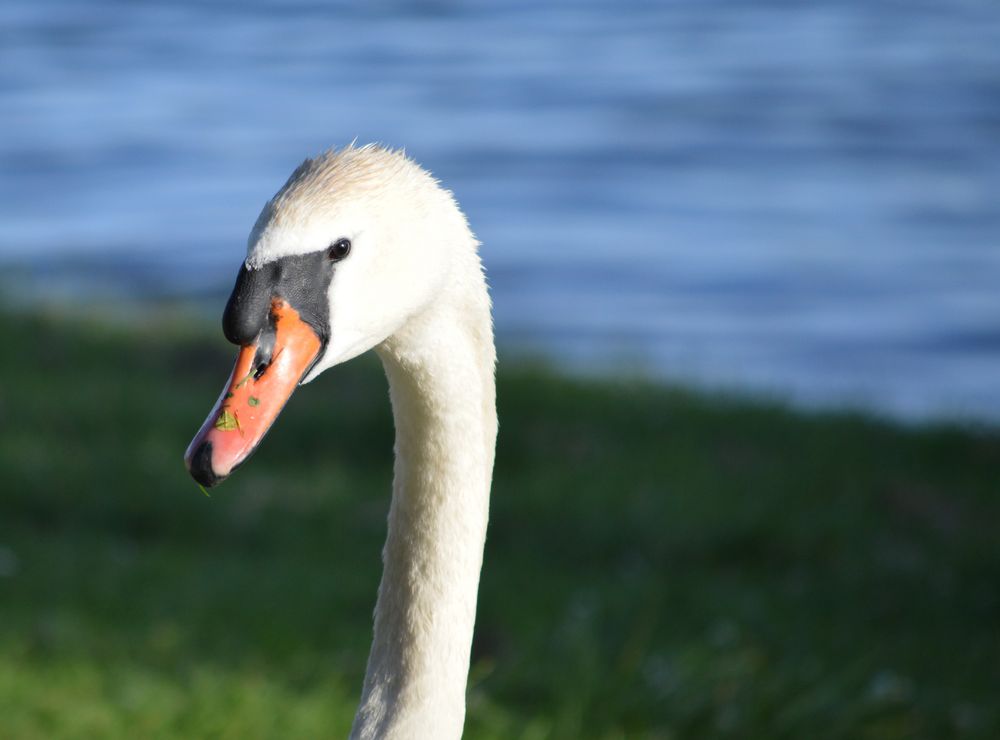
{"x":660,"y":564}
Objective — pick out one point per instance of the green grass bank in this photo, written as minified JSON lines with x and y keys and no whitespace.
{"x":660,"y":564}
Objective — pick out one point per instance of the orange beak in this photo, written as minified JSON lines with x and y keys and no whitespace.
{"x":258,"y":388}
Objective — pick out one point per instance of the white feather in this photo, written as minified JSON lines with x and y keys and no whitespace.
{"x":413,"y":289}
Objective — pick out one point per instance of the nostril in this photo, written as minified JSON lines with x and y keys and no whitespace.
{"x":264,"y":355}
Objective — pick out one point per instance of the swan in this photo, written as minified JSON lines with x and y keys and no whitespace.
{"x":363,"y":249}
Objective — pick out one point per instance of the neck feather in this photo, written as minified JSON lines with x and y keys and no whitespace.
{"x":440,"y":371}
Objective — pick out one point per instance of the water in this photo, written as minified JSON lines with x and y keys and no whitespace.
{"x":796,"y":199}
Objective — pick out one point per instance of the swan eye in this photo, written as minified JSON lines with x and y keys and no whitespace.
{"x":339,"y":249}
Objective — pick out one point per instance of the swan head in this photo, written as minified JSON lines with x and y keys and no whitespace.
{"x":354,"y":245}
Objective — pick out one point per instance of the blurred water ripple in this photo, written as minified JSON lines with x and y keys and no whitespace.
{"x":799,"y":199}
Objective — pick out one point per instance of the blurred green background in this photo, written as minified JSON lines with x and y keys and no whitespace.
{"x":659,"y":564}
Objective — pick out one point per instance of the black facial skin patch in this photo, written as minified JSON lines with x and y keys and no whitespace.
{"x":301,"y":280}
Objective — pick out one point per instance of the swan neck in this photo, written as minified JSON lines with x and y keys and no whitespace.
{"x":440,"y":372}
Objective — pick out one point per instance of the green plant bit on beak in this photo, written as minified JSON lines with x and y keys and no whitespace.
{"x":205,"y":491}
{"x":253,"y":400}
{"x":227,"y":421}
{"x":245,"y":378}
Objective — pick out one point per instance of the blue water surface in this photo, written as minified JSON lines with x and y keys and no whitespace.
{"x":800,"y":199}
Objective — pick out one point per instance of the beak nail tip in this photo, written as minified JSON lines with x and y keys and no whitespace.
{"x":199,"y":465}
